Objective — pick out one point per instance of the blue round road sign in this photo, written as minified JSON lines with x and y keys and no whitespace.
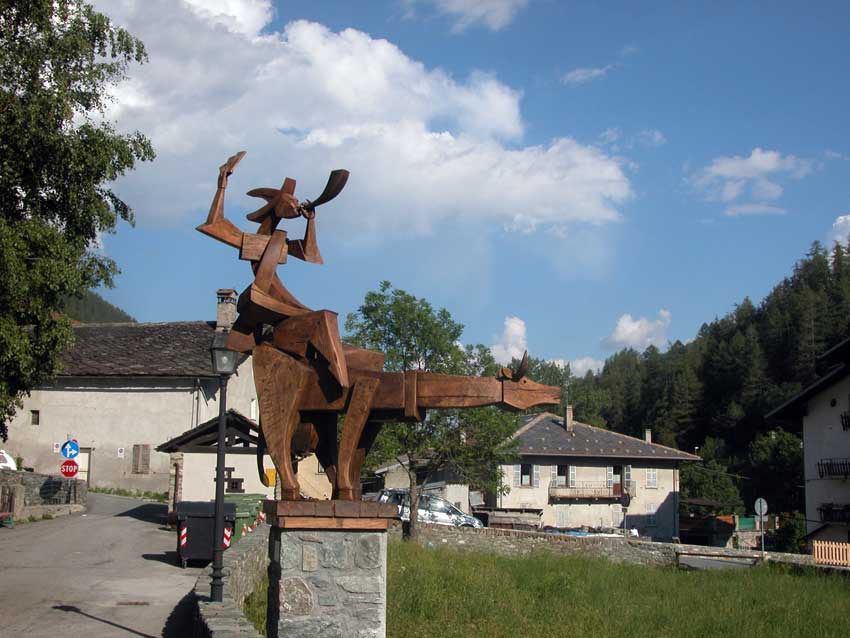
{"x":70,"y":449}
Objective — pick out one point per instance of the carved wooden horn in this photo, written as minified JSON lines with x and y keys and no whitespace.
{"x":336,"y":182}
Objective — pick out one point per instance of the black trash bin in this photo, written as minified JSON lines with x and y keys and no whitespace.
{"x":196,"y":526}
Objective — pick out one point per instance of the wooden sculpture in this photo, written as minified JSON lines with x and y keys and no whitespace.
{"x":306,"y":377}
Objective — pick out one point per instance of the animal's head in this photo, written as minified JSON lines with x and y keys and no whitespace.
{"x":520,"y":393}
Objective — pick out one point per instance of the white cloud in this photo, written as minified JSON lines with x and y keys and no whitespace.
{"x":639,"y":333}
{"x":585,"y":74}
{"x":835,"y":155}
{"x":493,"y":14}
{"x":239,"y":16}
{"x":423,"y":147}
{"x":610,"y":136}
{"x":840,"y":230}
{"x":652,"y":138}
{"x":580,"y":367}
{"x":726,"y":178}
{"x":753,"y":209}
{"x":512,"y":343}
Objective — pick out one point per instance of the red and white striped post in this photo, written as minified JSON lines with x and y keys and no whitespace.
{"x":228,"y":533}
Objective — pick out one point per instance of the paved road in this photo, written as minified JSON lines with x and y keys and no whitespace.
{"x":110,"y":572}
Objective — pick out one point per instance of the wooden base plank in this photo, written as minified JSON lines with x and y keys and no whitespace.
{"x":321,"y":522}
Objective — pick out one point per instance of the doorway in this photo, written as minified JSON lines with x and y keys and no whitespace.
{"x":84,"y":461}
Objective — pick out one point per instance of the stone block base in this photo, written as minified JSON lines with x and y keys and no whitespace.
{"x":327,"y":582}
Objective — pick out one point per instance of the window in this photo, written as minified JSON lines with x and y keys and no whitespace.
{"x":561,"y":474}
{"x":35,"y":417}
{"x":651,"y":509}
{"x":572,"y":475}
{"x":627,"y":474}
{"x":529,"y":475}
{"x":651,"y":477}
{"x":610,"y":476}
{"x":142,"y":458}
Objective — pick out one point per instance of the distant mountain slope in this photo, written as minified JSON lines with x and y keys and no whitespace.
{"x":92,"y":308}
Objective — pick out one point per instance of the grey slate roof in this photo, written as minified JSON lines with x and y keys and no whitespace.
{"x":174,"y":349}
{"x":544,"y":435}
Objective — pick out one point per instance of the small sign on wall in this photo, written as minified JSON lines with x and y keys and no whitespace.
{"x":57,"y":447}
{"x":120,"y":452}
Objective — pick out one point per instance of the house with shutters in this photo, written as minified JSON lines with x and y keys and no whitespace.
{"x":123,"y":390}
{"x":584,"y":476}
{"x":823,"y":410}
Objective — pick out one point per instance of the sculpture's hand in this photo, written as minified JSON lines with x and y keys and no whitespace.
{"x":226,"y":169}
{"x":307,"y":213}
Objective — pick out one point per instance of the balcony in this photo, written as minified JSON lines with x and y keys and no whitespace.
{"x":591,"y":490}
{"x":834,"y":513}
{"x":834,"y":468}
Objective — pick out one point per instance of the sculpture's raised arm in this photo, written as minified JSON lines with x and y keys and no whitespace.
{"x":217,"y":225}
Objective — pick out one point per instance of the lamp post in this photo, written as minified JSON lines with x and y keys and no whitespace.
{"x":224,"y":364}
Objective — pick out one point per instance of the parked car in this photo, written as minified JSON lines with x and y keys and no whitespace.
{"x":6,"y":461}
{"x":432,"y":509}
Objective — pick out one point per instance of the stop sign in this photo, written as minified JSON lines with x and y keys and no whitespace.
{"x":69,"y":468}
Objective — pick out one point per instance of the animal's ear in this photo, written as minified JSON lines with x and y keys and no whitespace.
{"x":505,"y":374}
{"x":523,"y":367}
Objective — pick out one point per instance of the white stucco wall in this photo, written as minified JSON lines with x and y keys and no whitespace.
{"x":109,"y":413}
{"x":607,"y":513}
{"x":823,"y":438}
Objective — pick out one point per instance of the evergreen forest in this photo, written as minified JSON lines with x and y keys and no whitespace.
{"x":711,"y":395}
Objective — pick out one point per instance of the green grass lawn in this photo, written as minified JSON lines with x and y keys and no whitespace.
{"x":440,"y":593}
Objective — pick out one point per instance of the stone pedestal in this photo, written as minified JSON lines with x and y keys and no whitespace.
{"x":328,"y":574}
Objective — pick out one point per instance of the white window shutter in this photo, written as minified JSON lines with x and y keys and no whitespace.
{"x":572,"y":475}
{"x":554,"y":476}
{"x":517,"y":472}
{"x":610,"y":476}
{"x":535,"y":472}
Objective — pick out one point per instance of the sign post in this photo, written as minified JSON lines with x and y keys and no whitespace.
{"x":69,"y":469}
{"x":761,"y":510}
{"x":70,"y":449}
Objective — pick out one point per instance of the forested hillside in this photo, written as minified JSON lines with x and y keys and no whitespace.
{"x":713,"y":392}
{"x":92,"y":308}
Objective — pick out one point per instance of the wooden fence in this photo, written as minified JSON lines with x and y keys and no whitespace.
{"x":829,"y":553}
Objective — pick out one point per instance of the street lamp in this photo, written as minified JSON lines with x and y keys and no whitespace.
{"x":223,"y":364}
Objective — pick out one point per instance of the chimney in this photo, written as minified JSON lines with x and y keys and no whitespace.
{"x":647,"y":434}
{"x":568,"y":419}
{"x":225,"y":309}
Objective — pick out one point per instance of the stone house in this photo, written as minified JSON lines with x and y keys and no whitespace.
{"x":823,"y":408}
{"x":580,"y":475}
{"x":124,"y":389}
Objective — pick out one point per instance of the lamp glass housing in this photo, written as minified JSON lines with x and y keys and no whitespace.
{"x":224,"y":360}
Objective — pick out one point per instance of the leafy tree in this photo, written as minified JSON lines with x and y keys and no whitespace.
{"x":58,"y":61}
{"x":414,"y":336}
{"x":776,"y":467}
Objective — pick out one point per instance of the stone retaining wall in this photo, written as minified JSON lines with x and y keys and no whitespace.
{"x":43,"y":495}
{"x":520,"y":543}
{"x":245,"y":565}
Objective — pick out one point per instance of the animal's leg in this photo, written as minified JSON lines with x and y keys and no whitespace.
{"x":367,"y":439}
{"x":327,"y":449}
{"x":355,"y":421}
{"x":280,"y":381}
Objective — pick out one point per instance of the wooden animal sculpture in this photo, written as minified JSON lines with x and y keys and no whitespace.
{"x":306,"y":377}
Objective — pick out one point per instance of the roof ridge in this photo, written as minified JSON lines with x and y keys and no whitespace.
{"x":138,"y":324}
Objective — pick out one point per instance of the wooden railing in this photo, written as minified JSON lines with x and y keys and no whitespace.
{"x":829,"y":553}
{"x":587,"y":489}
{"x":834,"y":468}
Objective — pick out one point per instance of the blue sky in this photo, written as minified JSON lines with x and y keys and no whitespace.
{"x":563,"y":177}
